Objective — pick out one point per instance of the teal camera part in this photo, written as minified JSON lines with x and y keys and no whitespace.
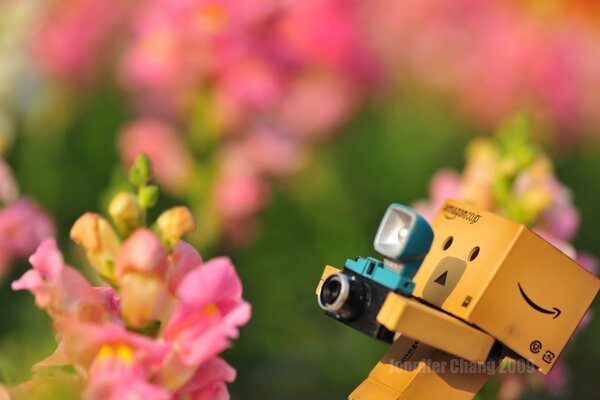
{"x":375,"y":270}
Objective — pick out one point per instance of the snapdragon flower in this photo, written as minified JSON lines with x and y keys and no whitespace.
{"x":156,"y":330}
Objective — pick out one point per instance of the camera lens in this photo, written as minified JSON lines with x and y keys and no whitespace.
{"x":331,"y":292}
{"x":343,"y":295}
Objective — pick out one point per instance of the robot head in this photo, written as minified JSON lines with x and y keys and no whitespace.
{"x":403,"y":234}
{"x":505,"y":279}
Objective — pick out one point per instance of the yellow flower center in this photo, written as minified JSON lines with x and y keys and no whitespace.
{"x":210,"y":310}
{"x":111,"y":351}
{"x":211,"y":18}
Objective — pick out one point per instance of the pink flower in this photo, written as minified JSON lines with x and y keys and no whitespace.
{"x":251,"y":83}
{"x":157,"y":62}
{"x":557,"y":380}
{"x":122,"y":362}
{"x":184,"y":259}
{"x":110,"y":300}
{"x":140,"y":270}
{"x":84,"y":341}
{"x":208,"y":383}
{"x":171,"y":160}
{"x":444,"y":185}
{"x":588,"y":262}
{"x":23,"y":225}
{"x":204,"y":321}
{"x":270,"y":151}
{"x":239,"y":195}
{"x":528,"y":60}
{"x":142,"y":252}
{"x":328,"y":98}
{"x":58,"y":288}
{"x":561,"y":221}
{"x":74,"y":34}
{"x":156,"y":333}
{"x":325,"y":33}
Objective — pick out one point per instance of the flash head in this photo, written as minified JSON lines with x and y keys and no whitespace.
{"x":403,"y":233}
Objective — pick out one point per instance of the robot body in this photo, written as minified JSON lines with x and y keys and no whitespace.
{"x":470,"y":290}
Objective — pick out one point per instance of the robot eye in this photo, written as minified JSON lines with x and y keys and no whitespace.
{"x":448,"y":243}
{"x":474,"y":253}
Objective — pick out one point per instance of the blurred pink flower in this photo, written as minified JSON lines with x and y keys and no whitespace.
{"x":223,"y":69}
{"x":74,"y":35}
{"x":250,"y":82}
{"x":240,"y":195}
{"x":23,"y":225}
{"x":325,"y":34}
{"x":156,"y":61}
{"x":530,"y":58}
{"x":270,"y":151}
{"x":563,"y":222}
{"x":588,"y":262}
{"x":557,"y":380}
{"x":171,"y":160}
{"x":444,"y":185}
{"x":328,"y":100}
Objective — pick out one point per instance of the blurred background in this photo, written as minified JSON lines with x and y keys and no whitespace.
{"x":288,"y":127}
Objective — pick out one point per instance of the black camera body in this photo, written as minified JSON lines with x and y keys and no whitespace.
{"x":354,"y":296}
{"x":360,"y":308}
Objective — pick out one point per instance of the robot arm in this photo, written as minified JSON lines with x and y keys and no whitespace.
{"x":429,"y":326}
{"x":435,"y":328}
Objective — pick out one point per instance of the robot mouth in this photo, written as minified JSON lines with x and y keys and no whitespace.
{"x":555,"y":311}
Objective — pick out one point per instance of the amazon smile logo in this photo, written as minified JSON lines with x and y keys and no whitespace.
{"x":555,"y":311}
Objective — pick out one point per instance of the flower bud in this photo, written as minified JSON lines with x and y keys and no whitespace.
{"x":101,"y":243}
{"x":143,"y":298}
{"x":140,"y":270}
{"x":140,"y":171}
{"x":172,"y":224}
{"x":125,"y":212}
{"x":141,"y":252}
{"x":148,"y":196}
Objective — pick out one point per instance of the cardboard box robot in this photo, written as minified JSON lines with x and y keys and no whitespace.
{"x":459,"y":296}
